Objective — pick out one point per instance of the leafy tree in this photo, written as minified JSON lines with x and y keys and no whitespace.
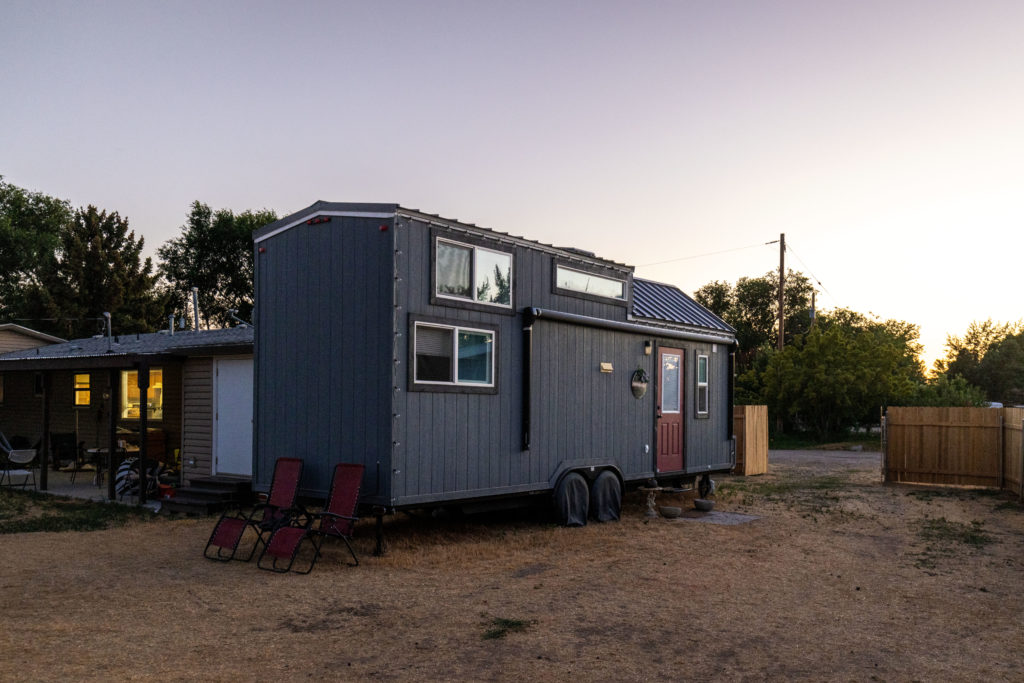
{"x":30,"y":227}
{"x":752,"y":307}
{"x":1001,"y":371}
{"x":943,"y":391}
{"x":840,"y":373}
{"x":964,"y":354}
{"x":98,"y":267}
{"x":215,"y":254}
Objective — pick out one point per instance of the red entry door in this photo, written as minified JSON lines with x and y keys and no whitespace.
{"x":670,"y":410}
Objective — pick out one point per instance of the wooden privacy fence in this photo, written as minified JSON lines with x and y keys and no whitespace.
{"x":750,"y":425}
{"x":955,"y":446}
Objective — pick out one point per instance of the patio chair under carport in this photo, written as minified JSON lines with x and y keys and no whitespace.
{"x":15,"y":464}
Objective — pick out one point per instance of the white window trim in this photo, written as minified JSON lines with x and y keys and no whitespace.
{"x":706,"y":385}
{"x":472,"y":274}
{"x":455,"y":356}
{"x":559,"y":267}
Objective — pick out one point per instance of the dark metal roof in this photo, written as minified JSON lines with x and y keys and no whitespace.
{"x":121,"y":348}
{"x":321,"y":207}
{"x":665,"y":303}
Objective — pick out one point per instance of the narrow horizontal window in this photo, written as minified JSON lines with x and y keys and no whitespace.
{"x":453,"y":355}
{"x":471,"y":273}
{"x":589,"y":283}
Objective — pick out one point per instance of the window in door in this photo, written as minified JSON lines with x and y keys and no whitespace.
{"x":670,"y":389}
{"x":131,"y":397}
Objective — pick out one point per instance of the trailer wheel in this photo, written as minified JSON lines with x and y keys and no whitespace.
{"x":606,"y":497}
{"x":572,"y":500}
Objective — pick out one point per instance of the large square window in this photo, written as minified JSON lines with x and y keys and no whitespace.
{"x":131,"y":397}
{"x":453,"y":355}
{"x":472,"y":273}
{"x":83,"y":395}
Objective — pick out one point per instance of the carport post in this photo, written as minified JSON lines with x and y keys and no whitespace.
{"x":44,"y":457}
{"x":143,"y":428}
{"x":115,"y":402}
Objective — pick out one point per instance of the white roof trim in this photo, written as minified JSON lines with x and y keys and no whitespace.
{"x":300,"y":221}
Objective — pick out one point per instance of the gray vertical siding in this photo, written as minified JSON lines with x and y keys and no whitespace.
{"x":454,"y":445}
{"x":335,"y":305}
{"x":323,"y":350}
{"x":706,"y":443}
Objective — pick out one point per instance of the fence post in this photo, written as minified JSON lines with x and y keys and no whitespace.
{"x":885,"y":452}
{"x":1021,"y":477}
{"x":1002,"y":455}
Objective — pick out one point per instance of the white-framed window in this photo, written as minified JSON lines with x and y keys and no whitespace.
{"x":702,"y":385}
{"x":589,"y":283}
{"x":82,"y":391}
{"x":131,"y":397}
{"x":470,"y":273}
{"x":453,"y":356}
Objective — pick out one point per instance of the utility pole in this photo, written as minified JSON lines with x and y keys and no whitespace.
{"x":782,"y":289}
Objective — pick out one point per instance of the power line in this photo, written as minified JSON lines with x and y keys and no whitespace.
{"x":813,"y":276}
{"x":711,"y":253}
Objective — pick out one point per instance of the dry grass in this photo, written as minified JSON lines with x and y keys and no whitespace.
{"x":828,"y":585}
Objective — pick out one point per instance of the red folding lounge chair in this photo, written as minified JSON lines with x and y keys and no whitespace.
{"x":264,"y":517}
{"x":336,"y":520}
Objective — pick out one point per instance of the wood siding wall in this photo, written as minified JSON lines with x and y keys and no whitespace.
{"x":955,"y":446}
{"x":197,"y":418}
{"x":323,"y":364}
{"x":750,"y":424}
{"x":12,"y":340}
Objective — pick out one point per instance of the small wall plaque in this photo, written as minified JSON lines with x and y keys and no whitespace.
{"x":606,"y":367}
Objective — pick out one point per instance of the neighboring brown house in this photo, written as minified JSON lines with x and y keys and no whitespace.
{"x":198,"y":408}
{"x":15,"y":338}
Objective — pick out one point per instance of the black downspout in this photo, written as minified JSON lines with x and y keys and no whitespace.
{"x":528,"y":319}
{"x":730,"y":433}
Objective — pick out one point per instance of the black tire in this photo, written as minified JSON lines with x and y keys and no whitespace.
{"x":572,"y":500}
{"x":606,"y":498}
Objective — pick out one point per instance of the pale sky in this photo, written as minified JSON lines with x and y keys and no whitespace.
{"x":885,"y":139}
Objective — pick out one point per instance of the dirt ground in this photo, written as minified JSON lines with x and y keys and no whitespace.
{"x":840,"y":578}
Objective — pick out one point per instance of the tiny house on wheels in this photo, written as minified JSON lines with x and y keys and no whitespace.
{"x":464,"y":366}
